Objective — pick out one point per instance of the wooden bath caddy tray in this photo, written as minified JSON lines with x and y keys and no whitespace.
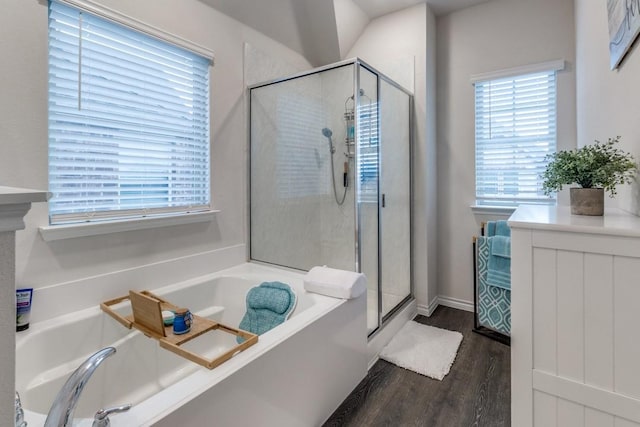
{"x":147,"y":318}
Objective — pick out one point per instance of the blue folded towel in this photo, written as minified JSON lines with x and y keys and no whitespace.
{"x":499,"y":265}
{"x":501,"y":246}
{"x":498,"y":228}
{"x":268,"y":305}
{"x":491,"y":228}
{"x":502,"y":228}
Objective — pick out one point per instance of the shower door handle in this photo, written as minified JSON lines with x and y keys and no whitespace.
{"x":384,"y":202}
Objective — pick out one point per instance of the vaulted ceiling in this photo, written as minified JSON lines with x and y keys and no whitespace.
{"x":376,"y":8}
{"x":309,"y":26}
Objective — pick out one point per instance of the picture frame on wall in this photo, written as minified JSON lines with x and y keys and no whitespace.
{"x":624,"y":26}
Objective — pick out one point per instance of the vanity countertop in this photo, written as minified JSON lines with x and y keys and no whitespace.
{"x":13,"y":195}
{"x":559,"y":218}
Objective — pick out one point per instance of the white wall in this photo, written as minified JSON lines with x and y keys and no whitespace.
{"x":397,"y":45}
{"x":607,"y":101}
{"x":350,"y":22}
{"x":492,"y":36}
{"x":23,"y":151}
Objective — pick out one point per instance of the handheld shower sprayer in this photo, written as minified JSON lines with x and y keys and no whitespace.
{"x":328,"y":133}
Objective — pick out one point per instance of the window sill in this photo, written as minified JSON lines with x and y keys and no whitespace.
{"x":69,"y":231}
{"x":493,"y":210}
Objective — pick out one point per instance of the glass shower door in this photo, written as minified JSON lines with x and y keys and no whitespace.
{"x":367,"y":173}
{"x":395,"y":206}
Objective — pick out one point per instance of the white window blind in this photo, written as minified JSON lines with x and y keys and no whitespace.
{"x":368,"y":150}
{"x":128,"y":121}
{"x":515,"y":130}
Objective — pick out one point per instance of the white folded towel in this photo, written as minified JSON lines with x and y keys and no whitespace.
{"x":335,"y":283}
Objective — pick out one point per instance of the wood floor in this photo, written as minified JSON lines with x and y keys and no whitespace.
{"x":476,"y":392}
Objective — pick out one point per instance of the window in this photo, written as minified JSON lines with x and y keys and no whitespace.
{"x":515,"y":130}
{"x":368,"y":150}
{"x":128,"y":121}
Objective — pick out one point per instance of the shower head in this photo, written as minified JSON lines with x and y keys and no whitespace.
{"x":327,"y":134}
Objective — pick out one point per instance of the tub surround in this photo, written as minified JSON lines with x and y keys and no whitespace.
{"x":90,"y":291}
{"x":14,"y":205}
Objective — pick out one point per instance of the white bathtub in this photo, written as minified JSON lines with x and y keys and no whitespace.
{"x":296,"y":375}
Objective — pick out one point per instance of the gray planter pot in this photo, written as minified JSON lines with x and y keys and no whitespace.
{"x":587,"y":201}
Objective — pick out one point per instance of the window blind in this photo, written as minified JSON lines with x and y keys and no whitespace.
{"x":368,"y":150}
{"x":515,"y":126}
{"x":128,"y":121}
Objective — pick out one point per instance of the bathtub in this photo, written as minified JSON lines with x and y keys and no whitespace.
{"x":296,"y":375}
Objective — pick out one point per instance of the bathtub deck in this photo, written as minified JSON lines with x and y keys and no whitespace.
{"x":475,"y":392}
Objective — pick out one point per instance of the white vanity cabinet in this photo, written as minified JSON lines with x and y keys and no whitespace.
{"x":575,"y":304}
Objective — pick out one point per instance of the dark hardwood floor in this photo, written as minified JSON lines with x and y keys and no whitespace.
{"x":476,"y":392}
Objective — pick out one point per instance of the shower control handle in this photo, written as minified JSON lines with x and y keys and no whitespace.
{"x":384,"y":202}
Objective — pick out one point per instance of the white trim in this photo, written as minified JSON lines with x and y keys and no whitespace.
{"x":587,"y":395}
{"x":557,"y":65}
{"x":427,"y":310}
{"x":115,"y":16}
{"x":456,"y":303}
{"x":70,"y":231}
{"x":14,"y":205}
{"x":372,"y":362}
{"x":14,"y":195}
{"x":382,"y":337}
{"x":493,"y":210}
{"x":12,"y":216}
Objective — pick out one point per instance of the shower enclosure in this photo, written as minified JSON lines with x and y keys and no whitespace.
{"x":330,"y":179}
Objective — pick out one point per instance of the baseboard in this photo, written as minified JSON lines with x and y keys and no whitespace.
{"x":427,"y":310}
{"x":459,"y":304}
{"x":372,"y":362}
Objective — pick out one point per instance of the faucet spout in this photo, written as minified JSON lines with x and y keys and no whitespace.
{"x":64,"y":405}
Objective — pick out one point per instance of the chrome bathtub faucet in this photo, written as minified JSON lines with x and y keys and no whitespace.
{"x":64,"y":405}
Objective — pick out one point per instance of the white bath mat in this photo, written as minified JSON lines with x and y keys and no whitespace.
{"x":423,"y":349}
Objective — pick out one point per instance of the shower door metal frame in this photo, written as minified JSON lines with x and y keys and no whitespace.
{"x":383,"y":320}
{"x":357,"y":63}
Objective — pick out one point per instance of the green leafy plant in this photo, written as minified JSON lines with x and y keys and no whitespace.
{"x":600,"y":165}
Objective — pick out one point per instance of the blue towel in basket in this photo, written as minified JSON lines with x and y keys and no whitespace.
{"x":268,"y":305}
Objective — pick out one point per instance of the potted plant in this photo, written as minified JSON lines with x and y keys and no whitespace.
{"x":595,"y":168}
